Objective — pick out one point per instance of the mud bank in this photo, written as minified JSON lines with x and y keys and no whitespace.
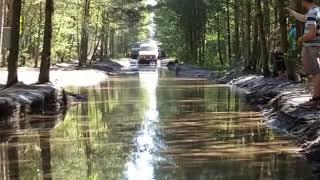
{"x":20,"y":101}
{"x":118,"y":67}
{"x":281,"y":100}
{"x":193,"y":71}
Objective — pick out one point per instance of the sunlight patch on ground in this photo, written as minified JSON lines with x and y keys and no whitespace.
{"x":59,"y":77}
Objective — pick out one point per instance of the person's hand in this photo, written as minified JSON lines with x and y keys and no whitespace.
{"x":300,"y":41}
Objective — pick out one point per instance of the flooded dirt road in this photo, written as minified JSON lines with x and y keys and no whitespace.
{"x":152,"y":126}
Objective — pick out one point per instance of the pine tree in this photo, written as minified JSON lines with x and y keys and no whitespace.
{"x":44,"y":75}
{"x":14,"y":46}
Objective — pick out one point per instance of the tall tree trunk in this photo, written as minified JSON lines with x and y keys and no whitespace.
{"x":201,"y":21}
{"x":102,"y":35}
{"x":219,"y":42}
{"x":242,"y":20}
{"x":299,"y":25}
{"x":24,"y":19}
{"x":101,"y":55}
{"x":228,"y":31}
{"x":106,"y":43}
{"x":111,"y":43}
{"x":262,"y":38}
{"x":253,"y":60}
{"x":2,"y":11}
{"x":267,"y":22}
{"x":36,"y":59}
{"x":44,"y":75}
{"x":248,"y":29}
{"x":84,"y":33}
{"x":236,"y":31}
{"x":283,"y":25}
{"x":203,"y":38}
{"x":14,"y":46}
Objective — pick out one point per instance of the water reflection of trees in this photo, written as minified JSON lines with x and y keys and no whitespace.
{"x":216,"y":136}
{"x":95,"y":138}
{"x":12,"y":160}
{"x":18,"y":153}
{"x":45,"y":147}
{"x":85,"y":132}
{"x":98,"y":134}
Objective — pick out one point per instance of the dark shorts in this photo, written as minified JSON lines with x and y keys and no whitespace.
{"x":279,"y":60}
{"x":311,"y":60}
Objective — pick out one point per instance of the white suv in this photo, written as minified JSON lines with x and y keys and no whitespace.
{"x":148,"y":53}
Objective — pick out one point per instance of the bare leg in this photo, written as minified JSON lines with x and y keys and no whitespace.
{"x":315,"y":88}
{"x":316,"y":85}
{"x":282,"y":75}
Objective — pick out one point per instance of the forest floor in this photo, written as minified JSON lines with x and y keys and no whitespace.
{"x":279,"y":100}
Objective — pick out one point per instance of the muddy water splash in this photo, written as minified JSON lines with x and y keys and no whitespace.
{"x":151,"y":127}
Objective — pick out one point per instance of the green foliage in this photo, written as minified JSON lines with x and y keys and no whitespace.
{"x":168,"y":31}
{"x":189,"y":30}
{"x":125,"y":21}
{"x":214,"y":33}
{"x":218,"y":33}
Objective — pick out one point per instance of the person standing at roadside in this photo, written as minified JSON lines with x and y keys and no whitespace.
{"x":292,"y":37}
{"x":311,"y":46}
{"x":277,"y":54}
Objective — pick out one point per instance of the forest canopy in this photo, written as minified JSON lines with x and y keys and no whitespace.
{"x":109,"y":25}
{"x":211,"y":33}
{"x":218,"y":33}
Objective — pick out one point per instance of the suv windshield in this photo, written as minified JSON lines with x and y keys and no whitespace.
{"x":136,"y":46}
{"x":147,"y":48}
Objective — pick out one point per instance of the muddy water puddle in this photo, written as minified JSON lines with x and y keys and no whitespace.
{"x":152,"y":127}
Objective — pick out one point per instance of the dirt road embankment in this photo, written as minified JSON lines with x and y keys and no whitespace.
{"x":281,"y":101}
{"x":26,"y":98}
{"x":19,"y":101}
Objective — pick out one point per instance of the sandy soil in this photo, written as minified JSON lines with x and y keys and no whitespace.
{"x":62,"y":75}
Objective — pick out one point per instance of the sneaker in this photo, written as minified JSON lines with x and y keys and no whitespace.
{"x":313,"y":103}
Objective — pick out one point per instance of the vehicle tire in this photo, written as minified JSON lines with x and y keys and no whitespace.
{"x":155,"y":62}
